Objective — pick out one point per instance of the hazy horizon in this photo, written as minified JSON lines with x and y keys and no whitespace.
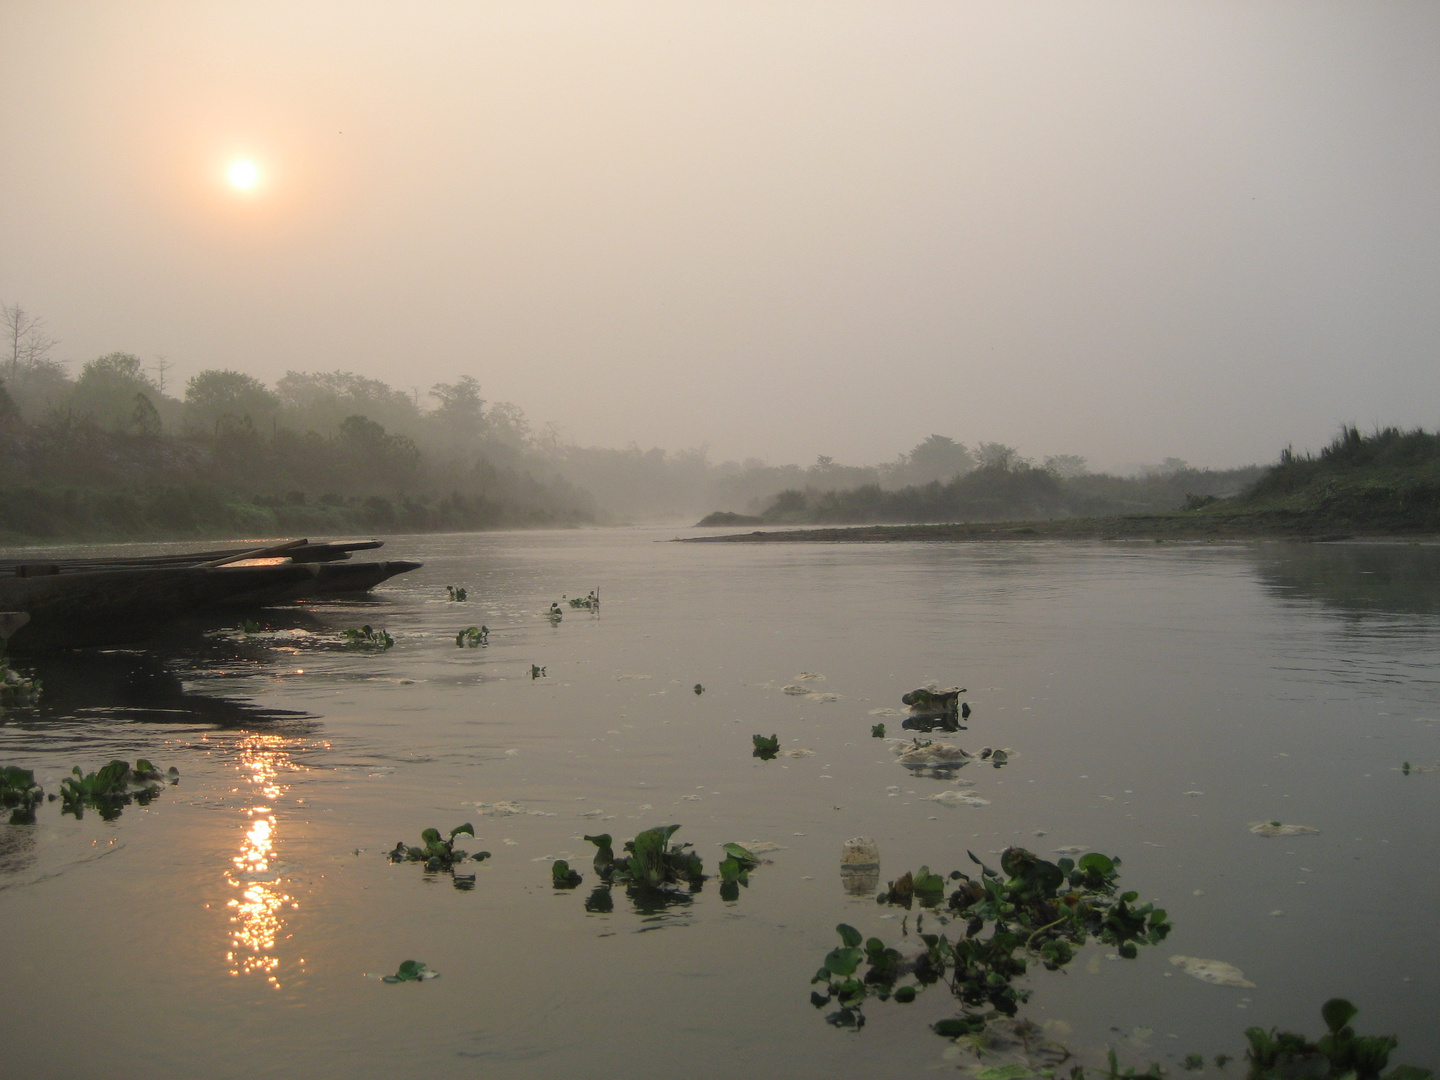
{"x":1123,"y":231}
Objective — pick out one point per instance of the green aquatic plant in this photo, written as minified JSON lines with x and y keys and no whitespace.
{"x":765,"y":749}
{"x":588,"y":603}
{"x":699,"y":689}
{"x":921,"y":887}
{"x":1338,"y":1053}
{"x":555,"y":614}
{"x":562,"y":877}
{"x":877,"y":731}
{"x":735,"y":870}
{"x":250,"y":626}
{"x":412,"y":971}
{"x":368,"y":638}
{"x":537,"y":672}
{"x":20,"y":794}
{"x":1035,"y":911}
{"x":112,"y":787}
{"x":652,"y":861}
{"x":473,"y":637}
{"x":456,"y":594}
{"x":440,"y":855}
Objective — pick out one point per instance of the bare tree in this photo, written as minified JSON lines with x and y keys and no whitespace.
{"x":25,"y":338}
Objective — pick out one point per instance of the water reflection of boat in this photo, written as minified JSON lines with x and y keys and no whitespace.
{"x":139,"y":687}
{"x":80,"y":602}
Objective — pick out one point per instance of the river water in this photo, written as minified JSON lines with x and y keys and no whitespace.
{"x":1155,"y":699}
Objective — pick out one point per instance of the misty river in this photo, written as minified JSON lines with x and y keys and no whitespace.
{"x":1155,"y":701}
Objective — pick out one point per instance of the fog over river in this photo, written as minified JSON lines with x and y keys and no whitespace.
{"x":1155,"y":701}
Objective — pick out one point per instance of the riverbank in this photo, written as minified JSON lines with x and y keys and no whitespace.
{"x":1187,"y":526}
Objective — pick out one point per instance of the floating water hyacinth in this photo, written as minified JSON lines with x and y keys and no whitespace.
{"x":369,"y":638}
{"x":412,"y":971}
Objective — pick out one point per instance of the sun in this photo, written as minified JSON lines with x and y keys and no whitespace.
{"x":243,"y":174}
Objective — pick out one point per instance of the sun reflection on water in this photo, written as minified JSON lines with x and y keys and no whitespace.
{"x":256,"y":915}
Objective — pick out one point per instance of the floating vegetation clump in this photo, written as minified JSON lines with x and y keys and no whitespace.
{"x":586,"y":603}
{"x":536,"y":671}
{"x":562,"y":877}
{"x":113,"y":787}
{"x":555,"y":615}
{"x":921,"y":887}
{"x":1035,"y":911}
{"x":457,"y":594}
{"x":735,"y":870}
{"x":765,"y":749}
{"x":473,"y":637}
{"x":20,"y":794}
{"x":652,"y":869}
{"x":368,"y":638}
{"x":16,"y":689}
{"x":877,"y":731}
{"x":412,"y":971}
{"x":1338,"y":1053}
{"x":441,"y":855}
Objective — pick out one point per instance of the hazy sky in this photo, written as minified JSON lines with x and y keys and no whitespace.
{"x":1124,"y":230}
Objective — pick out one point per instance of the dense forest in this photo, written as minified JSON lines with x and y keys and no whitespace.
{"x":114,"y":451}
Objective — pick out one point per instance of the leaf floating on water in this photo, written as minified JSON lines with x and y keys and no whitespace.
{"x":1215,"y":972}
{"x":1276,"y":828}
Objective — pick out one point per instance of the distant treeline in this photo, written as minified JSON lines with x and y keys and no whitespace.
{"x":110,"y":455}
{"x":114,"y":452}
{"x":1006,"y":490}
{"x":1388,"y":481}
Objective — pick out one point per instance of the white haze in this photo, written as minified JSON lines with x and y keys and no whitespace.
{"x":1122,"y":230}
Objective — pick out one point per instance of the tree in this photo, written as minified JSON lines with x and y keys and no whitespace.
{"x":26,"y":341}
{"x":994,"y":455}
{"x":1067,"y":466}
{"x":460,"y":417}
{"x":939,"y":457}
{"x":143,"y":417}
{"x":107,"y":387}
{"x":213,"y":395}
{"x":393,"y":460}
{"x":320,"y":401}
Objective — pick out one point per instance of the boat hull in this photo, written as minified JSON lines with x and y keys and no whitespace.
{"x":117,"y":607}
